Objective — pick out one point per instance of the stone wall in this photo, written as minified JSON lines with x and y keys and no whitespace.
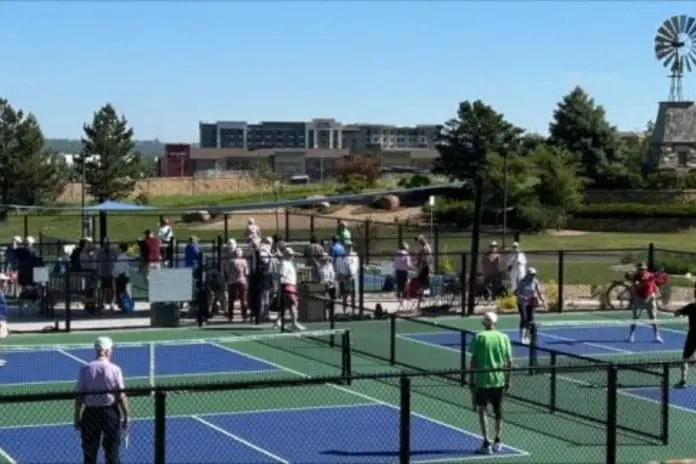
{"x":640,"y":196}
{"x":165,"y":186}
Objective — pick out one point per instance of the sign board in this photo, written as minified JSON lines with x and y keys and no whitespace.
{"x":431,"y":200}
{"x":170,"y":285}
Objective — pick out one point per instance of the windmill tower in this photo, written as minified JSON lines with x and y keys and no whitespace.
{"x":673,"y":141}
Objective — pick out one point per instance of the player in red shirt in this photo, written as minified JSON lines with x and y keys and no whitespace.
{"x":644,"y":297}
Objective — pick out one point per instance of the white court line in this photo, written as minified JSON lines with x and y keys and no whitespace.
{"x":595,"y":345}
{"x":239,"y":439}
{"x":375,"y":400}
{"x":5,"y":455}
{"x":72,"y":356}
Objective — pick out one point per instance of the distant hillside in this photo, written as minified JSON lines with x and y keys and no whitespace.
{"x":149,"y":148}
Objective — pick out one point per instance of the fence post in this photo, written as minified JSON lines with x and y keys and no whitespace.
{"x":26,"y":225}
{"x":287,"y":225}
{"x":612,"y":386}
{"x":462,"y":284}
{"x":218,"y":252}
{"x":463,"y":347}
{"x":160,"y":427}
{"x":392,"y":339}
{"x":553,"y":379}
{"x":651,"y":257}
{"x":436,"y":244}
{"x":561,"y":278}
{"x":68,"y":310}
{"x":665,"y":403}
{"x":227,"y":226}
{"x":366,"y":238}
{"x":361,"y":295}
{"x":405,"y":421}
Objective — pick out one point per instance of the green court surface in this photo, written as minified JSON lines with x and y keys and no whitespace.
{"x":535,"y":435}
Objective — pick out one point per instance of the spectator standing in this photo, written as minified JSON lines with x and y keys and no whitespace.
{"x":165,"y":234}
{"x":121,"y":273}
{"x":516,"y":265}
{"x":313,"y":254}
{"x":288,"y":289}
{"x":344,"y":235}
{"x":327,"y":277}
{"x":10,"y":252}
{"x":4,"y":312}
{"x":491,"y":270}
{"x":89,"y":265}
{"x":27,"y":260}
{"x":255,"y":280}
{"x":271,"y":268}
{"x":75,"y":265}
{"x":402,"y":264}
{"x":529,"y":297}
{"x":102,"y":418}
{"x":153,"y":247}
{"x":106,"y":258}
{"x":424,"y":262}
{"x":336,"y":249}
{"x":252,"y":231}
{"x":236,"y":276}
{"x":192,"y":253}
{"x":347,"y":269}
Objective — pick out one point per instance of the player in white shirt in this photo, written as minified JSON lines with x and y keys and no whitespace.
{"x":288,"y":288}
{"x":347,"y":269}
{"x":516,"y":265}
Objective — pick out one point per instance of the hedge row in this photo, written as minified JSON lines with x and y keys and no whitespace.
{"x":636,"y":210}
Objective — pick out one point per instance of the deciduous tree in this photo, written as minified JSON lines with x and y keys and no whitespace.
{"x":111,"y":164}
{"x":360,"y":168}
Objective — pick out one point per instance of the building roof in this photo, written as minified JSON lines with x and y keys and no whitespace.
{"x":224,"y":153}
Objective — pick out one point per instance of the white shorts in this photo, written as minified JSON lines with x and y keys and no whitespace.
{"x":4,"y":330}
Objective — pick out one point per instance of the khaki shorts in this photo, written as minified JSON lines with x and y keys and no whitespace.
{"x":641,"y":304}
{"x":4,"y":330}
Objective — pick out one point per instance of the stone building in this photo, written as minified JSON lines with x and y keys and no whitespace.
{"x":673,"y":141}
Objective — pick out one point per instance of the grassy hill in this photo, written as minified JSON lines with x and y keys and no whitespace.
{"x":149,"y":148}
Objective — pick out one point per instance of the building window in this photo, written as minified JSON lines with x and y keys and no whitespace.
{"x":682,"y":158}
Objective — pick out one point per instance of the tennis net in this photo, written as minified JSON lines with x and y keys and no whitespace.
{"x":186,"y":361}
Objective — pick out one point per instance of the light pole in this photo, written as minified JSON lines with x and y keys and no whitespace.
{"x":505,"y":196}
{"x":82,"y":182}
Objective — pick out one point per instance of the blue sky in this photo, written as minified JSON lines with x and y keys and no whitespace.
{"x":168,"y":65}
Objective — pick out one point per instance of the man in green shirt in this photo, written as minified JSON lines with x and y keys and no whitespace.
{"x":344,"y":235}
{"x":490,"y":349}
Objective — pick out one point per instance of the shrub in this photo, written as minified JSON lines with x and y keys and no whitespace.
{"x":550,"y":290}
{"x":671,"y":263}
{"x":635,"y":210}
{"x":506,"y":303}
{"x":415,"y":181}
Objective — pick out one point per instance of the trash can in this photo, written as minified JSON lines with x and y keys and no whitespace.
{"x":165,"y":315}
{"x":312,"y":302}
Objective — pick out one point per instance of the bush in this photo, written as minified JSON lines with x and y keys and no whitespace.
{"x":671,"y":263}
{"x":415,"y":181}
{"x":461,"y":213}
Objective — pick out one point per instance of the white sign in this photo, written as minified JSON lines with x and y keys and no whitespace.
{"x":431,"y":200}
{"x":170,"y":285}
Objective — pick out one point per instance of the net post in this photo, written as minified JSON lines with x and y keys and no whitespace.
{"x":553,"y":383}
{"x":405,"y":421}
{"x":346,"y":366}
{"x":611,"y":420}
{"x":665,"y":403}
{"x":392,"y":339}
{"x":160,"y":427}
{"x":152,"y":366}
{"x":462,"y":357}
{"x":332,"y":319}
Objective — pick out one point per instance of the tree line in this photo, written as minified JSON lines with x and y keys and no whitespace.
{"x":32,"y":174}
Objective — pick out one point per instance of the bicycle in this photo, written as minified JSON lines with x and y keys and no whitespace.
{"x":620,"y":292}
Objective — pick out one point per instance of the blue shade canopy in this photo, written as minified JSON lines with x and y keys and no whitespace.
{"x":117,"y":206}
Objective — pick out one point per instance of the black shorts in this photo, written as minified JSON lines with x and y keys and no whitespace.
{"x":689,"y":345}
{"x":401,"y":281}
{"x":492,"y":396}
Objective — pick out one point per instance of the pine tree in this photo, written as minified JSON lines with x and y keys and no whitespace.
{"x":29,"y":173}
{"x":111,"y":165}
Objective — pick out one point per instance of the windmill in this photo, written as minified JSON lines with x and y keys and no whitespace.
{"x":675,"y":47}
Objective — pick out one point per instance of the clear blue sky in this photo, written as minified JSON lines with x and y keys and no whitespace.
{"x":168,"y":65}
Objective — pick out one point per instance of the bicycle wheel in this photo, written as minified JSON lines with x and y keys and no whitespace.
{"x":618,"y":296}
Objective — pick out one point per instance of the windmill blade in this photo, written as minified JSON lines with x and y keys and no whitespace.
{"x":675,"y":24}
{"x":690,"y":59}
{"x":665,"y":53}
{"x":669,"y":62}
{"x":687,"y":61}
{"x":690,"y":28}
{"x":665,"y":31}
{"x":682,"y":24}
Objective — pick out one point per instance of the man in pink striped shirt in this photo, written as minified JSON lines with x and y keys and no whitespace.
{"x":105,"y":416}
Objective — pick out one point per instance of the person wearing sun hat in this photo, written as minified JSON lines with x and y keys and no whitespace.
{"x":491,"y":352}
{"x":101,"y":418}
{"x":288,"y":289}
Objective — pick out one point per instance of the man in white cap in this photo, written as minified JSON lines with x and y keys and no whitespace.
{"x":4,"y":312}
{"x":288,"y":289}
{"x":105,"y":416}
{"x":490,"y":350}
{"x":516,"y":265}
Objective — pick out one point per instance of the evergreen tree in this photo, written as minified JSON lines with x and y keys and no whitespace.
{"x":580,"y":126}
{"x":111,"y":165}
{"x":465,"y":141}
{"x":29,"y":174}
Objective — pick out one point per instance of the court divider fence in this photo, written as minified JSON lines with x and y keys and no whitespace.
{"x":158,"y":411}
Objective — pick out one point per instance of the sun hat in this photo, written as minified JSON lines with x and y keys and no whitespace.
{"x":490,"y":318}
{"x":103,"y":343}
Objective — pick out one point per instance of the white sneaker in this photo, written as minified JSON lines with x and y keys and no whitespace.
{"x":631,"y":339}
{"x":525,"y":340}
{"x":497,"y":447}
{"x":485,"y":449}
{"x":298,"y":326}
{"x":658,"y":339}
{"x":3,"y":363}
{"x":276,"y":324}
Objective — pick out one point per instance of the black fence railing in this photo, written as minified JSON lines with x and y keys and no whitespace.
{"x":171,"y":422}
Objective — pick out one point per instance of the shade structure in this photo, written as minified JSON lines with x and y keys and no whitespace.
{"x":116,"y":206}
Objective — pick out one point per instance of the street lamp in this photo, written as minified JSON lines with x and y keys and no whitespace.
{"x":83,"y":163}
{"x":505,"y":196}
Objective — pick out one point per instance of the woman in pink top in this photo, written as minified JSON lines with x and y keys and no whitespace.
{"x":402,"y":263}
{"x":237,"y":284}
